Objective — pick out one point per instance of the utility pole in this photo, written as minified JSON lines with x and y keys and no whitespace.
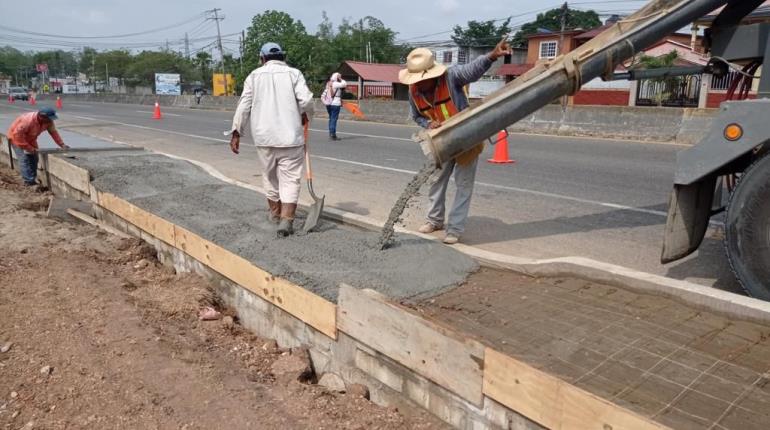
{"x":216,"y":19}
{"x":186,"y":46}
{"x":242,"y":42}
{"x":564,"y":10}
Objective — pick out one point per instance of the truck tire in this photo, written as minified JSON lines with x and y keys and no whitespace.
{"x":747,"y":229}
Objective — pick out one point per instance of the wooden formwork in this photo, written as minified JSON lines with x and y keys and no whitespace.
{"x":385,"y":336}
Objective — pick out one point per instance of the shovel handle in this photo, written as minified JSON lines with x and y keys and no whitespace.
{"x":308,"y":170}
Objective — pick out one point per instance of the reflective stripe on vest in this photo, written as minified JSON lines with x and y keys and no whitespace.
{"x":442,"y":108}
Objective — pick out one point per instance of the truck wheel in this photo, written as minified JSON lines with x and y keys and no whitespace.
{"x":747,"y":229}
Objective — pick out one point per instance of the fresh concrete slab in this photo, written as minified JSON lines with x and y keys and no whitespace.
{"x":236,"y":218}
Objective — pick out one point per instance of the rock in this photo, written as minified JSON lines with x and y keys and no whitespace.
{"x":14,"y":394}
{"x":209,"y":314}
{"x":7,"y":347}
{"x":332,"y":382}
{"x":228,"y":322}
{"x":295,"y":366}
{"x":270,"y":345}
{"x":29,"y":426}
{"x":46,"y":370}
{"x":358,"y":390}
{"x":142,"y":264}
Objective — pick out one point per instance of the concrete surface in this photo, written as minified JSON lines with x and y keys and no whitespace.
{"x":678,"y":365}
{"x":595,"y":198}
{"x":236,"y":218}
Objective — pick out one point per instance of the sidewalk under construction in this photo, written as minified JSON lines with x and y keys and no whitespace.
{"x":421,"y":323}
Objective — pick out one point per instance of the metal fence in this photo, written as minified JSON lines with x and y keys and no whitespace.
{"x":723,"y":83}
{"x":681,"y":91}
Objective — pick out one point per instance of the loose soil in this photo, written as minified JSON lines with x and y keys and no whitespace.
{"x":681,"y":366}
{"x":99,"y":335}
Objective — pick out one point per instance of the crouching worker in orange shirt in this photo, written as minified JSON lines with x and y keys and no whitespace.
{"x":23,"y":136}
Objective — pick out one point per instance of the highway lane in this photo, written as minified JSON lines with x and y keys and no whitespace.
{"x":603,"y":199}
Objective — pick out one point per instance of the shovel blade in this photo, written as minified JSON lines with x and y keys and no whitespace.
{"x":313,"y":214}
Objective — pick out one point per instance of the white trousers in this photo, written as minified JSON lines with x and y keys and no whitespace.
{"x":281,"y":172}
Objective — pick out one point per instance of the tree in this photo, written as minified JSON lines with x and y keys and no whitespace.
{"x":145,"y":64}
{"x":281,"y":28}
{"x":664,"y":85}
{"x":15,"y":63}
{"x":552,"y":20}
{"x":116,"y":63}
{"x":480,"y":33}
{"x":202,"y":63}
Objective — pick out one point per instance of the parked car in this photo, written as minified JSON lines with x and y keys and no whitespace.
{"x":18,"y":93}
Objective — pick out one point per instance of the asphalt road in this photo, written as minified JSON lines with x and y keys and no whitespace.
{"x":597,"y":198}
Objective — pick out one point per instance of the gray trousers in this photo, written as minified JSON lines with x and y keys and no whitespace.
{"x":464,"y":176}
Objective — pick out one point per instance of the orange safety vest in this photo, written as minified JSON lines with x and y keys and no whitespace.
{"x":441,"y":110}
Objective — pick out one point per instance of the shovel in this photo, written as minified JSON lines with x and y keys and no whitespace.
{"x":314,"y":212}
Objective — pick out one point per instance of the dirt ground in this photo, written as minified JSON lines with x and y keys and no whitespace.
{"x":94,"y":333}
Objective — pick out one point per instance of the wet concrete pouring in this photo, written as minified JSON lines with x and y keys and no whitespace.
{"x":680,"y":366}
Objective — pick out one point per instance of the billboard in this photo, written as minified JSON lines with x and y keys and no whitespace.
{"x":219,"y":85}
{"x":168,"y":84}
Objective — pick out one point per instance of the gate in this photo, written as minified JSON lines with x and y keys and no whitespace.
{"x":679,"y":91}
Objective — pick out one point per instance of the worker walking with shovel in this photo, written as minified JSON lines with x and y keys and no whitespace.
{"x":276,"y":103}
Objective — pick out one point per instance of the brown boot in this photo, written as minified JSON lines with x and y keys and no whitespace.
{"x":274,"y":216}
{"x":286,"y":226}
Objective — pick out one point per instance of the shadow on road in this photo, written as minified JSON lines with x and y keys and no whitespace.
{"x":485,"y":230}
{"x":702,"y":265}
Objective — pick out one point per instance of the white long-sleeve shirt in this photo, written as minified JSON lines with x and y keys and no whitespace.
{"x":337,"y":88}
{"x":273,"y":100}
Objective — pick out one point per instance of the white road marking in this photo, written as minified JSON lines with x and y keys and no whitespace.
{"x":151,"y":112}
{"x":365,"y":135}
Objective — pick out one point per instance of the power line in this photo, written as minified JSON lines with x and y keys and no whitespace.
{"x":598,"y":2}
{"x":114,"y":36}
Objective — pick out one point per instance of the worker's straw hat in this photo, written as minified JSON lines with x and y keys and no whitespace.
{"x":420,"y":65}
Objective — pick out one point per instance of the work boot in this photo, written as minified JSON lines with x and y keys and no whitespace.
{"x":429,"y":227}
{"x":451,"y":239}
{"x":286,"y":226}
{"x":274,"y":215}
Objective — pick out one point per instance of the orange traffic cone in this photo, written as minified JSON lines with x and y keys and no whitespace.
{"x":501,"y":149}
{"x":354,"y":109}
{"x":58,"y":102}
{"x":156,"y":114}
{"x":32,"y":101}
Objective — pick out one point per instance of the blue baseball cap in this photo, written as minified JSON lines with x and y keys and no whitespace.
{"x":49,"y":113}
{"x":270,"y":48}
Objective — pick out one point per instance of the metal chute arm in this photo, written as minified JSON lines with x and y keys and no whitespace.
{"x":562,"y":75}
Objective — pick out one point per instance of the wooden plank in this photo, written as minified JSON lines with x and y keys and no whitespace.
{"x":150,"y":223}
{"x":74,"y":176}
{"x":312,"y":309}
{"x":96,"y":223}
{"x":552,"y":402}
{"x":438,"y":354}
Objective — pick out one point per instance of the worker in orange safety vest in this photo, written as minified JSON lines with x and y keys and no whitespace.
{"x":436,"y":94}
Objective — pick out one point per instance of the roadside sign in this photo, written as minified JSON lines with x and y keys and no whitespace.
{"x":168,"y":84}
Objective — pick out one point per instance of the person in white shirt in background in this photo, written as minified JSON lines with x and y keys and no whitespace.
{"x":332,"y":98}
{"x":276,"y":102}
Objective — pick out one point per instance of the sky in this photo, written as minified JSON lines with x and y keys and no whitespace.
{"x":90,"y":18}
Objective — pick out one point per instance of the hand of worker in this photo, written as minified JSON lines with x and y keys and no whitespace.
{"x":501,"y":49}
{"x":64,"y":146}
{"x":235,"y":142}
{"x":434,"y":124}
